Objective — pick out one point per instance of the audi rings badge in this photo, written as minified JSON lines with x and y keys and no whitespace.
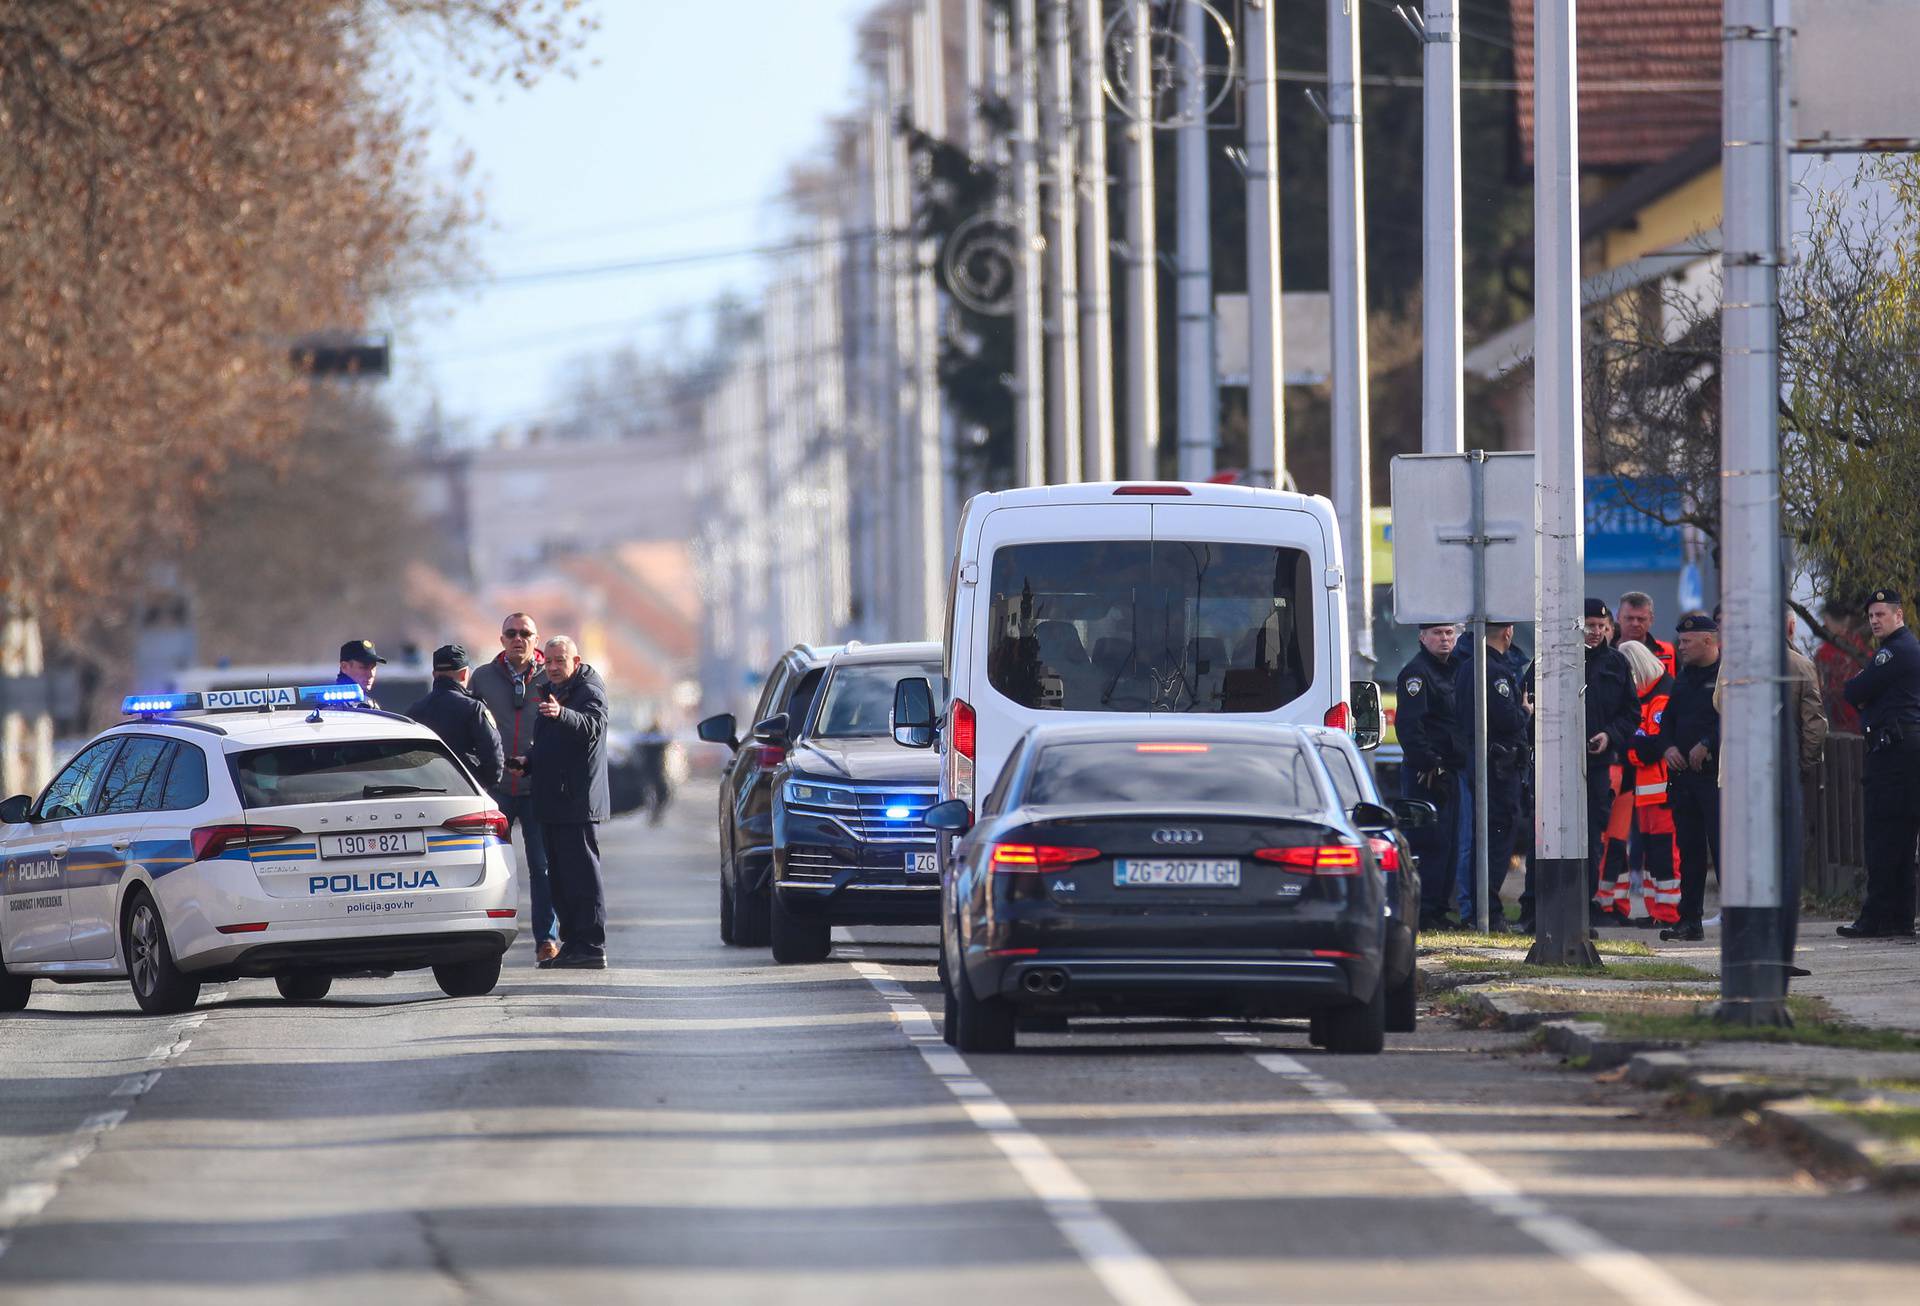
{"x":979,"y":259}
{"x":1174,"y":835}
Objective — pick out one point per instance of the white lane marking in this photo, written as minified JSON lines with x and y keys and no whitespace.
{"x":137,"y":1085}
{"x":1129,"y":1274}
{"x":1632,"y":1275}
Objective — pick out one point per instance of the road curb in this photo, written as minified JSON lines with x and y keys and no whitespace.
{"x":1842,"y":1140}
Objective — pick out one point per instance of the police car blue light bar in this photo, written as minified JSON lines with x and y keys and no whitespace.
{"x":264,"y":698}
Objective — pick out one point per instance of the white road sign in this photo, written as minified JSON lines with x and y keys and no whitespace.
{"x":1433,"y":530}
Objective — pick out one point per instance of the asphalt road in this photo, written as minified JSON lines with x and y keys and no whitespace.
{"x":698,"y":1125}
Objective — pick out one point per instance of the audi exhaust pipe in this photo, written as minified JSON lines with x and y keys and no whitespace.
{"x":1044,"y":981}
{"x":1056,"y":981}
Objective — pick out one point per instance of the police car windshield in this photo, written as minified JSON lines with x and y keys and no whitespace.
{"x":859,"y":701}
{"x":1264,"y":777}
{"x":346,"y":771}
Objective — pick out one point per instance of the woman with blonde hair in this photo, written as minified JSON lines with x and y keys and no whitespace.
{"x":1642,"y":807}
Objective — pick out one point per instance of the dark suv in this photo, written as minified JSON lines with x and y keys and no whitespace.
{"x":746,"y":789}
{"x":848,"y":845}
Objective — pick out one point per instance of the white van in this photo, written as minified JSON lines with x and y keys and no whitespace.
{"x":1074,"y":602}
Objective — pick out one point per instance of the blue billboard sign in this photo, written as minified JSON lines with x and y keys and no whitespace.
{"x":1621,"y":536}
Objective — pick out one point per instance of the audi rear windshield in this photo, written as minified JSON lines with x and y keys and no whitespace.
{"x":1150,"y":626}
{"x":352,"y":770}
{"x":1260,"y":777}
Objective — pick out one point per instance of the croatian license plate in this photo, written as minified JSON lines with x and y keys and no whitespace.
{"x":385,"y":843}
{"x":922,"y":864}
{"x":1178,"y":873}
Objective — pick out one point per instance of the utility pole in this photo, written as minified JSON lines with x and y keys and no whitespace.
{"x":906,"y":595}
{"x":929,"y":536}
{"x":885,"y":361}
{"x":1752,"y":951}
{"x":1029,"y":399}
{"x":1096,"y":252}
{"x":1143,"y":308}
{"x":1266,"y":413}
{"x":1347,"y":279}
{"x":1443,"y":427}
{"x":974,"y":19}
{"x":1560,"y":758}
{"x":1193,"y":299}
{"x":1062,"y":272}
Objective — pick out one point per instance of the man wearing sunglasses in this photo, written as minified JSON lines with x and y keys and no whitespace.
{"x":510,"y":686}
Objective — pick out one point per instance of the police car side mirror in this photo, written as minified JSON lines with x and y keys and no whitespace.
{"x":14,"y":810}
{"x":1415,"y":813}
{"x":950,"y":817}
{"x":913,"y":713}
{"x":1372,"y":816}
{"x":1365,"y":697}
{"x":718,"y":730}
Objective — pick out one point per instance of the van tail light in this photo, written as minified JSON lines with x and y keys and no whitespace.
{"x":960,"y":731}
{"x":768,"y":756}
{"x":488,"y":822}
{"x":1036,"y":858}
{"x":212,"y":840}
{"x":1314,"y":859}
{"x":957,"y":762}
{"x":1386,"y":853}
{"x":1338,"y":717}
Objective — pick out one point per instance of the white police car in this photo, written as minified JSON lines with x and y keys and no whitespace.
{"x":284,"y":833}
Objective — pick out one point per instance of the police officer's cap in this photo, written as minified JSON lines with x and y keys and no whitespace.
{"x":1598,"y":608}
{"x":450,"y":657}
{"x":360,"y":650}
{"x":1697,"y":621}
{"x":1886,"y":596}
{"x":1438,"y":625}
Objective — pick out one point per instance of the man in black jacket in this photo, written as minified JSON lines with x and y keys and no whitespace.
{"x":1431,"y":765}
{"x":1509,"y":715}
{"x":569,"y":769}
{"x":1887,"y":694}
{"x":461,"y":720}
{"x":1689,"y":743}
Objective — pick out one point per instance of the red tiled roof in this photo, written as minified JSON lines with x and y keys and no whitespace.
{"x":1649,"y":76}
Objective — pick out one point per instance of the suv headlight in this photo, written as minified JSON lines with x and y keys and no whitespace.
{"x":813,"y":794}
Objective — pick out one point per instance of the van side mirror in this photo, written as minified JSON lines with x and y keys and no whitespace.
{"x":1415,"y":813}
{"x":14,"y":810}
{"x":773,"y":730}
{"x":1365,"y":697}
{"x":718,"y":730}
{"x":913,"y":713}
{"x":950,"y":817}
{"x":1372,"y":816}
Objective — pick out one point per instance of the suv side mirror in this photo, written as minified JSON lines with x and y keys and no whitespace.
{"x":14,"y":810}
{"x":773,"y":730}
{"x":1415,"y":813}
{"x":718,"y":730}
{"x":950,"y":817}
{"x":1365,"y":697}
{"x":913,"y":713}
{"x":1372,"y":816}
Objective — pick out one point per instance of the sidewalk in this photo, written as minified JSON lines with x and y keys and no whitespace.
{"x":1843,"y":1084}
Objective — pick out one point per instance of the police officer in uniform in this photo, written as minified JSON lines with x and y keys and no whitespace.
{"x":359,"y":665}
{"x":1509,"y":715}
{"x":1886,"y":692}
{"x":1432,"y":765}
{"x":1689,"y":743}
{"x":457,"y":715}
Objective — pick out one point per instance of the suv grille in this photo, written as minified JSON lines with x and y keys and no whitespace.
{"x":886,"y":816}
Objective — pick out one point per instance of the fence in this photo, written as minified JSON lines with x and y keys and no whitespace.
{"x":1836,"y":850}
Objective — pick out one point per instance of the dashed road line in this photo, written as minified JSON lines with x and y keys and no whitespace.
{"x":1129,"y":1274}
{"x":1634,"y":1276}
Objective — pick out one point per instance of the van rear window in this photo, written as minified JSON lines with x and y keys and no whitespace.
{"x":347,"y":771}
{"x":1150,"y":626}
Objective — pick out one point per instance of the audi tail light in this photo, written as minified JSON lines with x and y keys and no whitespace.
{"x":1386,"y":852}
{"x":211,"y":840}
{"x":1034,"y":858}
{"x":1314,"y":859}
{"x":488,"y":822}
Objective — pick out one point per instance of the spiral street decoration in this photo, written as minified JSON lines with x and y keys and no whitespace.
{"x":1176,"y":64}
{"x":979,"y":260}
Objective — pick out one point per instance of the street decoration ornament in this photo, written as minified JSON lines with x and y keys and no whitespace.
{"x":1176,"y":64}
{"x":978,"y":261}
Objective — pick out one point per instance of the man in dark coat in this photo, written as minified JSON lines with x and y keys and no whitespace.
{"x":360,"y":665}
{"x":1509,"y":715}
{"x":462,"y":721}
{"x":1689,"y":743}
{"x":1431,"y":767}
{"x":1887,"y":694}
{"x":569,"y":769}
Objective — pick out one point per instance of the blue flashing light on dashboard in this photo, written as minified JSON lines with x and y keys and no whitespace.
{"x":899,"y":813}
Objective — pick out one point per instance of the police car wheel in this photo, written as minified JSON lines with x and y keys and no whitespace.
{"x":303,"y":988}
{"x":14,"y":991}
{"x":468,"y":979}
{"x":1360,"y":1028}
{"x":797,"y":941}
{"x":158,"y":984}
{"x":1403,"y":1007}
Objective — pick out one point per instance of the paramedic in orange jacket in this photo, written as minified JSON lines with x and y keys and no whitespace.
{"x":1642,"y":806}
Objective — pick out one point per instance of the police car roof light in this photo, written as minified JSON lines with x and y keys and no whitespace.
{"x":149,"y":704}
{"x":264,"y":698}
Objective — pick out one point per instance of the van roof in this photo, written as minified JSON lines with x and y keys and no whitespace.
{"x":1186,"y":492}
{"x":863,"y":654}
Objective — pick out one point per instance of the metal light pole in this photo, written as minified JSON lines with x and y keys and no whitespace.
{"x":1193,"y":298}
{"x":1560,"y":758}
{"x":886,"y":344}
{"x":1062,"y":272}
{"x":1347,"y":279}
{"x":1752,"y":958}
{"x":1443,"y":419}
{"x":974,"y":22}
{"x":1029,"y":399}
{"x":929,"y":536}
{"x":1143,"y":308}
{"x":1096,"y":252}
{"x":1266,"y":415}
{"x":906,"y":433}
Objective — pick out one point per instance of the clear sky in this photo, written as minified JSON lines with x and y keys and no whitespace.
{"x":678,"y":129}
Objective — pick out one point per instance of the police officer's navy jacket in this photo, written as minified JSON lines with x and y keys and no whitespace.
{"x":1613,"y":706}
{"x":1507,"y":718}
{"x":466,"y":726}
{"x":1887,"y":689}
{"x":569,"y":758}
{"x":1425,"y":716}
{"x":366,"y":702}
{"x":1690,"y":719}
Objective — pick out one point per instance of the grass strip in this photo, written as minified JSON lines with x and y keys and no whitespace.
{"x":1456,"y":940}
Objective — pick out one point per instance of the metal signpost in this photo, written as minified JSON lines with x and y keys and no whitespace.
{"x":1479,"y":505}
